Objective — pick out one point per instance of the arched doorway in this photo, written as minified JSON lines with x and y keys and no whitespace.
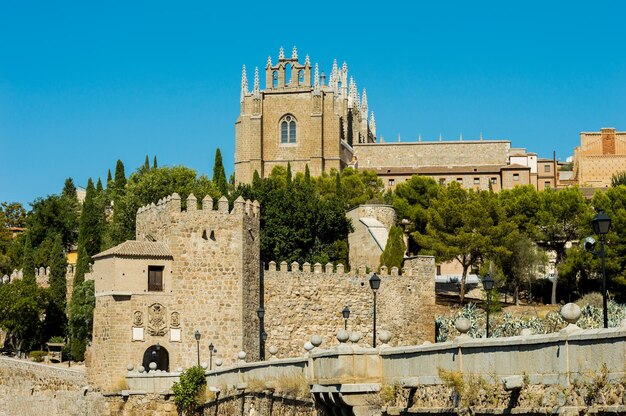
{"x":156,"y":354}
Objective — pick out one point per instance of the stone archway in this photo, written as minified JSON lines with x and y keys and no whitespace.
{"x":156,"y":354}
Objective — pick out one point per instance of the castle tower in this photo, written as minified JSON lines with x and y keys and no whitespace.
{"x":298,"y":120}
{"x":187,"y":271}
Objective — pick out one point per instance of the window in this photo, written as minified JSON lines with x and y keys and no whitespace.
{"x":155,"y":278}
{"x":391,"y":182}
{"x":288,"y":129}
{"x":546,"y":168}
{"x":516,"y":176}
{"x":547,"y":185}
{"x":460,"y":180}
{"x":438,"y":270}
{"x":442,"y":181}
{"x":288,"y":74}
{"x":494,"y":181}
{"x":476,"y":181}
{"x":275,"y":79}
{"x":301,"y":77}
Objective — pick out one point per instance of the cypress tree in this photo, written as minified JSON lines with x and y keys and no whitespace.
{"x":394,"y":249}
{"x":146,"y":164}
{"x":154,"y":163}
{"x":289,"y":175}
{"x":99,"y":187}
{"x":58,"y":268}
{"x":91,"y":222}
{"x":28,"y":261}
{"x":256,"y":181}
{"x":307,"y":174}
{"x":219,"y":175}
{"x":69,"y":189}
{"x":120,"y":178}
{"x":109,"y":180}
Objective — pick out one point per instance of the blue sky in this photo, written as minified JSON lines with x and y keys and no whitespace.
{"x":83,"y":84}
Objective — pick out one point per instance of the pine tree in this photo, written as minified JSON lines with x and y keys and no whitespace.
{"x":219,"y":175}
{"x":28,"y":261}
{"x":69,"y":189}
{"x":394,"y":249}
{"x":154,"y":163}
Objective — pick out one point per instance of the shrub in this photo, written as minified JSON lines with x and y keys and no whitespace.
{"x":37,"y":356}
{"x":188,"y":389}
{"x":57,"y":340}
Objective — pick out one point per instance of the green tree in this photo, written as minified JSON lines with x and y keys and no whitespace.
{"x":81,"y":317}
{"x":28,"y":262}
{"x":56,"y":319}
{"x":393,"y":255}
{"x":13,"y":215}
{"x":91,"y":222}
{"x":146,"y":163}
{"x":219,"y":174}
{"x":154,"y":163}
{"x":22,"y":307}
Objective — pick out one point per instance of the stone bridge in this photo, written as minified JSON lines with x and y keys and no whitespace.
{"x":572,"y":370}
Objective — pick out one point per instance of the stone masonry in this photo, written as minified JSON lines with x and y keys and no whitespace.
{"x":367,"y":242}
{"x":300,"y":302}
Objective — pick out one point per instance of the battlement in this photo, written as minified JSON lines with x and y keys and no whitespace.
{"x":172,"y":204}
{"x":329,"y":268}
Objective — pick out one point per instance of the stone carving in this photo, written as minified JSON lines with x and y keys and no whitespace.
{"x":137,"y":318}
{"x":175,"y":320}
{"x":156,"y":320}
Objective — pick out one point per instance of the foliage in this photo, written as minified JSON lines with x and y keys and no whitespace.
{"x":186,"y":390}
{"x":37,"y":356}
{"x":28,"y":261}
{"x":618,"y":179}
{"x":219,"y":174}
{"x":81,"y":317}
{"x":22,"y":307}
{"x":12,"y":214}
{"x":56,"y":339}
{"x":393,"y":255}
{"x":55,"y":315}
{"x":295,"y":385}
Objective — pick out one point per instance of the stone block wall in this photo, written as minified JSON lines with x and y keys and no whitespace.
{"x":364,"y":251}
{"x":302,"y":302}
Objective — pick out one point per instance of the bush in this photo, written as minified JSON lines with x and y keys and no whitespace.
{"x":57,"y":340}
{"x":37,"y":356}
{"x":188,"y":388}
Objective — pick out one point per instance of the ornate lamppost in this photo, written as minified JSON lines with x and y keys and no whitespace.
{"x":198,"y":336}
{"x":212,"y":350}
{"x":488,"y":285}
{"x":374,"y":285}
{"x":601,"y":224}
{"x":346,"y":314}
{"x":261,"y":314}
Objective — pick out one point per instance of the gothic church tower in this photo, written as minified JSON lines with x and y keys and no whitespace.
{"x":299,"y":119}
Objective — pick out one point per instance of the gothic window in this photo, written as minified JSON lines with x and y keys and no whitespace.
{"x":288,"y":74}
{"x":301,"y":77}
{"x":288,"y":130}
{"x":275,"y":79}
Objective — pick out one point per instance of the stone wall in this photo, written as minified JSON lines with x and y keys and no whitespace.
{"x":28,"y":388}
{"x":364,"y":250}
{"x":300,"y":303}
{"x":417,"y":154}
{"x":261,"y":404}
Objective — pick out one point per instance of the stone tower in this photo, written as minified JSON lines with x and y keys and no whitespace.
{"x":188,"y":270}
{"x":299,"y":119}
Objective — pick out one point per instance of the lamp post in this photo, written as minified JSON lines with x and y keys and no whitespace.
{"x":211,"y":351}
{"x":601,"y":224}
{"x":374,"y":285}
{"x":346,"y":314}
{"x":261,"y":314}
{"x":488,"y":285}
{"x":198,"y":336}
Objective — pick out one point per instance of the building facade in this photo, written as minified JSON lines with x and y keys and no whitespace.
{"x":600,"y":156}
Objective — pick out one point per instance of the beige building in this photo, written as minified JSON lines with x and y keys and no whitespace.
{"x":299,"y":121}
{"x":600,"y":156}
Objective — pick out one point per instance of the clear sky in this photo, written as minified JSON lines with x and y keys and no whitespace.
{"x":85,"y":83}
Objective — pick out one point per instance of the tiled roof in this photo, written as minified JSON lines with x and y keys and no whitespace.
{"x":133,"y":248}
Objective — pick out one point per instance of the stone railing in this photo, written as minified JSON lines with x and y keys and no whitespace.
{"x":348,"y":375}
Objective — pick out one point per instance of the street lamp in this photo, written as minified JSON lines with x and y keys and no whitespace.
{"x":601,"y":224}
{"x":198,"y":335}
{"x":374,"y":285}
{"x":211,"y":351}
{"x":488,"y":285}
{"x":346,"y":314}
{"x":261,"y":314}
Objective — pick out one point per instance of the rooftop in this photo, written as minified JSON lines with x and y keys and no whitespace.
{"x":134,"y":248}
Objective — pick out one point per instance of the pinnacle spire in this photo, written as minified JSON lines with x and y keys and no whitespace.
{"x":281,"y":53}
{"x":255,"y":88}
{"x":335,"y":66}
{"x":344,"y":67}
{"x":373,"y":124}
{"x":269,"y":61}
{"x":294,"y":53}
{"x":244,"y":83}
{"x":306,"y":60}
{"x":364,"y":102}
{"x":316,"y":75}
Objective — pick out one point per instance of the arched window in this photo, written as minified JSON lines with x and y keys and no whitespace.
{"x":288,"y":129}
{"x":156,"y":354}
{"x":275,"y":79}
{"x":288,"y":74}
{"x":301,"y":77}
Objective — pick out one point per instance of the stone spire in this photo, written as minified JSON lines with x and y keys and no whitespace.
{"x":364,"y":103}
{"x":255,"y":88}
{"x":269,"y":61}
{"x":316,"y":81}
{"x":373,"y":124}
{"x":281,"y":53}
{"x":461,"y":136}
{"x":306,"y":60}
{"x":294,"y":53}
{"x":244,"y":83}
{"x":352,"y":94}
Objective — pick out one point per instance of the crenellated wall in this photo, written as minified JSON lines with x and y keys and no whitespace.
{"x":42,"y":276}
{"x":301,"y":301}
